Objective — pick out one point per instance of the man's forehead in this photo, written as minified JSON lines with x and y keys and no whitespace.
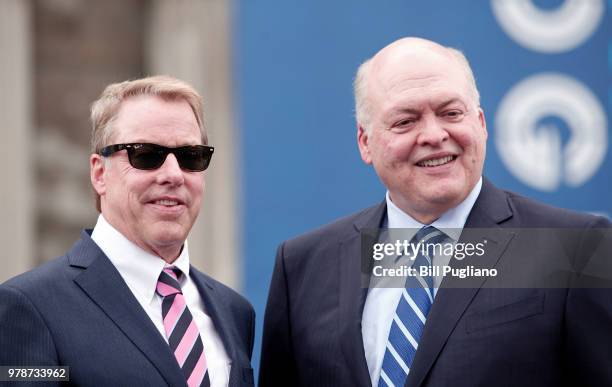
{"x":143,"y":118}
{"x":434,"y":84}
{"x":151,"y":110}
{"x":418,"y":73}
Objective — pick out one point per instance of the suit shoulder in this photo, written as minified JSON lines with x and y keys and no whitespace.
{"x":325,"y":239}
{"x":41,"y":279}
{"x":333,"y":232}
{"x":533,"y":213}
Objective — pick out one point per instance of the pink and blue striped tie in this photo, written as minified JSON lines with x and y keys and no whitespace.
{"x":181,"y":330}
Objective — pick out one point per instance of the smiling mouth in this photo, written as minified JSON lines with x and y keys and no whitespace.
{"x":166,"y":203}
{"x":436,"y":162}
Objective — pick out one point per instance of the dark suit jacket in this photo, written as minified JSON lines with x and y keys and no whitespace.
{"x":476,"y":335}
{"x":77,"y":311}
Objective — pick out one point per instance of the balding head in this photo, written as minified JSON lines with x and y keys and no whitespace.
{"x":414,"y":55}
{"x":420,"y":125}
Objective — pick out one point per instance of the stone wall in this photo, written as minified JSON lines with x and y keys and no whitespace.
{"x":79,"y":47}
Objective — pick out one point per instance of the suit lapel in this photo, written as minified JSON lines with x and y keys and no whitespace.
{"x":217,"y":310}
{"x":352,"y":295}
{"x":104,"y":285}
{"x":455,"y":294}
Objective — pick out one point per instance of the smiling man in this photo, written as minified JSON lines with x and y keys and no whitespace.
{"x":421,"y":127}
{"x":124,"y":306}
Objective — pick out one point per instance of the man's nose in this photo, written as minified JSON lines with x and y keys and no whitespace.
{"x":170,"y":171}
{"x":432,"y":132}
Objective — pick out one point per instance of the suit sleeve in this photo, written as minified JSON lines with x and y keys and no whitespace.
{"x":24,"y":337}
{"x":277,"y":361}
{"x":589,"y":313}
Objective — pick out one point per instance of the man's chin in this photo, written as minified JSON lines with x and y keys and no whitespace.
{"x":443,"y":195}
{"x":167,"y":237}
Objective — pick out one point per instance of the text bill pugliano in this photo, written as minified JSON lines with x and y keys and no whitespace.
{"x":433,"y":271}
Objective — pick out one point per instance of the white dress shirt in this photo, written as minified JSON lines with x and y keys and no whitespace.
{"x":380,"y":304}
{"x":140,"y":270}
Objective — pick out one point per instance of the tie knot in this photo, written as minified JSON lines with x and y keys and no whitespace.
{"x":168,"y":283}
{"x":429,"y":234}
{"x":424,"y":243}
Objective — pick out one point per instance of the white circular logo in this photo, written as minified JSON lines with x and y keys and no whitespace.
{"x":559,"y":30}
{"x":533,"y":152}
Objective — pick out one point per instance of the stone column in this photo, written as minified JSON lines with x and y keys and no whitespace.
{"x":190,"y":39}
{"x":17,"y":153}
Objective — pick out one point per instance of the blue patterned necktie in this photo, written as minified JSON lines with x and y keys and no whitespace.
{"x":410,"y":315}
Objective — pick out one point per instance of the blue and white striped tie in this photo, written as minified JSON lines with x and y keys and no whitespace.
{"x":410,"y":314}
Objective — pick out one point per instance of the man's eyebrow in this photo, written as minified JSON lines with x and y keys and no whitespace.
{"x":449,"y":102}
{"x":406,"y":110}
{"x":441,"y":105}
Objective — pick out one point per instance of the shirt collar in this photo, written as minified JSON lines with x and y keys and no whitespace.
{"x":451,"y":222}
{"x":139,"y":268}
{"x":182,"y":262}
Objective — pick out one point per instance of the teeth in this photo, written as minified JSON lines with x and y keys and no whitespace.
{"x":166,"y":202}
{"x":436,"y":162}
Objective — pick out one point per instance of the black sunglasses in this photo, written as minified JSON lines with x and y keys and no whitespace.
{"x":193,"y":158}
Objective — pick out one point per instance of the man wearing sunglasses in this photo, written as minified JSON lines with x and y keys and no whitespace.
{"x":124,"y":306}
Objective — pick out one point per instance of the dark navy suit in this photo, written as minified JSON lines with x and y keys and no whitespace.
{"x":77,"y":311}
{"x":482,"y":333}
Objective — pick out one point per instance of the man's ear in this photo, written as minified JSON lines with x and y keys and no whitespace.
{"x":97,"y":166}
{"x":363,"y":142}
{"x":483,"y":122}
